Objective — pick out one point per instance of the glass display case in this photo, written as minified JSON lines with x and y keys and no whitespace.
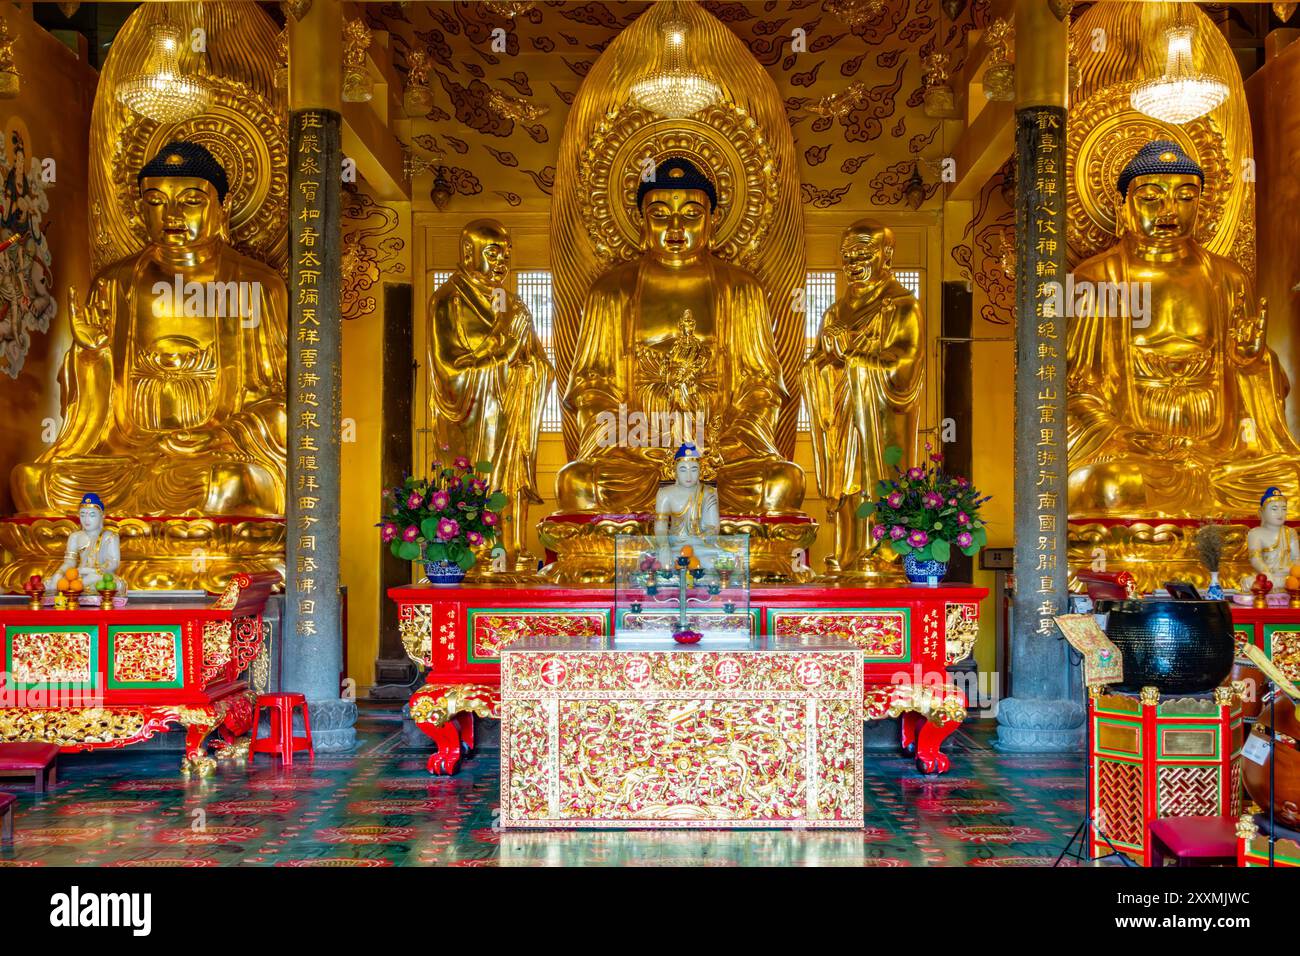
{"x":683,"y":588}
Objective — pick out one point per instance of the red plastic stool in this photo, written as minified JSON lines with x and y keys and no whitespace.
{"x":1194,"y":841}
{"x":7,"y":801}
{"x":281,"y":741}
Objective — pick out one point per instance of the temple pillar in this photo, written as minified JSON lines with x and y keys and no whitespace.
{"x":313,"y":645}
{"x":1044,"y":713}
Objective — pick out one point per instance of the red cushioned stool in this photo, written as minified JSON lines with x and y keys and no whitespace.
{"x":39,"y":761}
{"x":7,"y":801}
{"x":1194,"y":841}
{"x":281,"y":741}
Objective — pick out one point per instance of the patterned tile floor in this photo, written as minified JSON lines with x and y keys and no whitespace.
{"x":379,"y":807}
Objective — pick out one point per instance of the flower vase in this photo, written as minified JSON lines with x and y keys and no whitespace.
{"x":444,"y":572}
{"x":929,"y":572}
{"x":1215,"y":591}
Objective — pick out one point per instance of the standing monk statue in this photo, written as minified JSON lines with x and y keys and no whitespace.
{"x":489,"y":376}
{"x":173,"y":388}
{"x":862,"y":385}
{"x":1178,"y":411}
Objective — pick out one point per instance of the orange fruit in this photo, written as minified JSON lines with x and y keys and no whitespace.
{"x":1293,"y":583}
{"x":63,"y":584}
{"x":687,"y":551}
{"x":72,"y":574}
{"x":76,"y":587}
{"x":1295,"y":571}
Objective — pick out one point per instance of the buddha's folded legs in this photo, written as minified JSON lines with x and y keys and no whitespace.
{"x":760,"y":486}
{"x":148,"y":485}
{"x":622,"y":481}
{"x":1188,"y":486}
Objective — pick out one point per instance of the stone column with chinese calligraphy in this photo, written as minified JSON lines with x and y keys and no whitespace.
{"x":313,"y":645}
{"x":1044,"y":712}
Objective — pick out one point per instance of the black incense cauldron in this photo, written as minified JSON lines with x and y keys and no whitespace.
{"x":1178,"y":647}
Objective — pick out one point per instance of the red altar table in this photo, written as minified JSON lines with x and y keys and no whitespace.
{"x":1275,"y":631}
{"x":88,"y":678}
{"x":909,"y":637}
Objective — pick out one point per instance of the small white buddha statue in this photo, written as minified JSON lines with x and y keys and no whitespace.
{"x":685,"y":509}
{"x":1272,"y":546}
{"x":93,"y":550}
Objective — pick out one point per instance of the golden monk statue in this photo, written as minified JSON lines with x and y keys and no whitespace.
{"x":489,"y":376}
{"x":1175,"y":402}
{"x":173,"y":388}
{"x":862,"y":385}
{"x":676,"y":335}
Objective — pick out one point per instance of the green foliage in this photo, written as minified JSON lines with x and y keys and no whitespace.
{"x":442,"y":518}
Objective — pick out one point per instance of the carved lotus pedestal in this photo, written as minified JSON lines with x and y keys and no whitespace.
{"x":158,"y":554}
{"x":580,"y":547}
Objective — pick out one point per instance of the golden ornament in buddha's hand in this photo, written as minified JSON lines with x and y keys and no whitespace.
{"x":174,"y":393}
{"x":1175,"y":402}
{"x":676,"y":337}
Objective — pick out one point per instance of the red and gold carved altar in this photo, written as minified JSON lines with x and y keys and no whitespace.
{"x":1275,"y":631}
{"x":1151,"y":759}
{"x":908,"y":636}
{"x":600,"y":732}
{"x":88,"y":678}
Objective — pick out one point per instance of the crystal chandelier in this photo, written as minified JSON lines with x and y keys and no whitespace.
{"x":1181,"y":94}
{"x":163,"y":92}
{"x":672,"y":90}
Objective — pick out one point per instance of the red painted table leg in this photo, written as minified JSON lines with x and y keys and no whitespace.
{"x":909,"y":725}
{"x":445,"y":712}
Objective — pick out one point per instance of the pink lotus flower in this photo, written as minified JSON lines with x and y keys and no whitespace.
{"x":462,"y":463}
{"x":490,"y":518}
{"x":965,"y":539}
{"x":879,"y":531}
{"x":440,"y":500}
{"x":388,"y":532}
{"x":897,"y":532}
{"x":411,"y":533}
{"x":963,"y":518}
{"x":895,"y":500}
{"x":448,"y":528}
{"x":932,"y":499}
{"x":415,"y":500}
{"x":473,"y":538}
{"x":918,"y":539}
{"x":916,"y":474}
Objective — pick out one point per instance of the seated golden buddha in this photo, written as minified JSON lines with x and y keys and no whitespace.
{"x":174,"y":387}
{"x":1175,"y":406}
{"x":676,"y":336}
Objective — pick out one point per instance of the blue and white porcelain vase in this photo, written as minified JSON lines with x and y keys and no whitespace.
{"x":929,"y":572}
{"x":443,"y":572}
{"x":1215,"y":591}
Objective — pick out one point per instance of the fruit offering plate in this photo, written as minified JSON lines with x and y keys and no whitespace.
{"x":86,"y":599}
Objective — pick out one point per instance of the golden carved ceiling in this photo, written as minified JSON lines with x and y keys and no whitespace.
{"x":862,"y":159}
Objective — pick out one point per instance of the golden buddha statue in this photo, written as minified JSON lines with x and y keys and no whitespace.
{"x":1175,"y":404}
{"x":174,"y":386}
{"x":489,"y":376}
{"x":862,"y":385}
{"x":677,"y":332}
